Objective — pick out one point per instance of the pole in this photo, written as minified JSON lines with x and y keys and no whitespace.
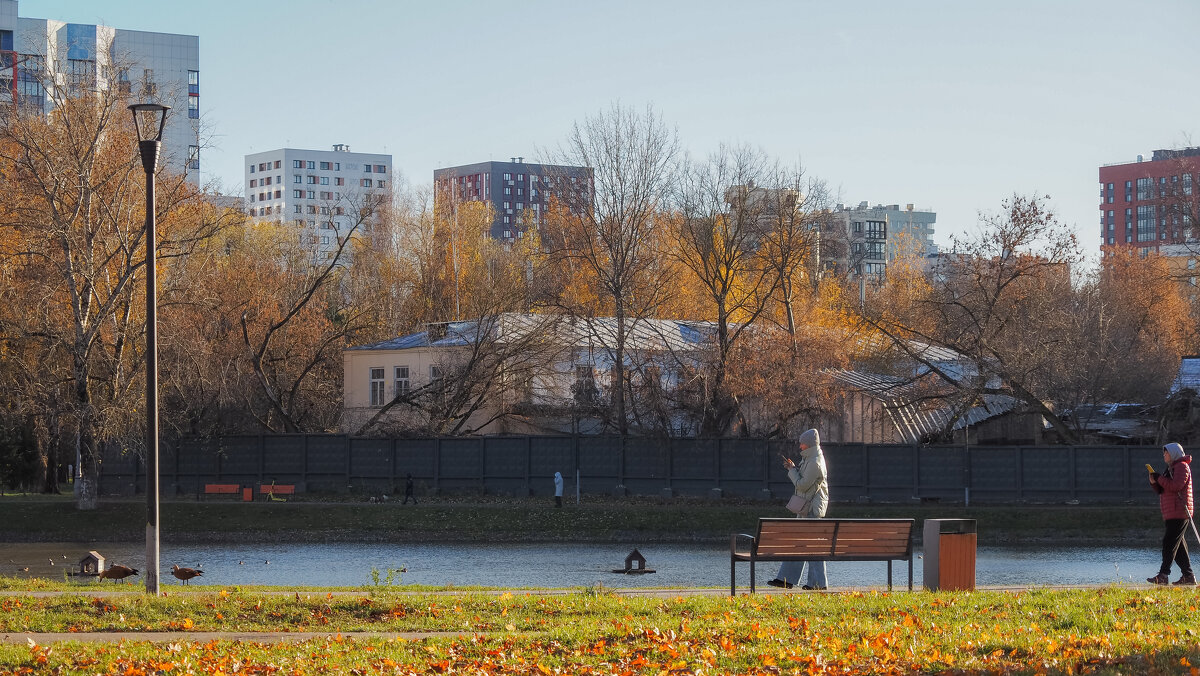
{"x":149,"y":151}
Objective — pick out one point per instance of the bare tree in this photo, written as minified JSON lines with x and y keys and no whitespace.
{"x":607,"y":230}
{"x":1001,"y":300}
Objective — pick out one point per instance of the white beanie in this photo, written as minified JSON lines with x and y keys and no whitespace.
{"x":1175,"y":451}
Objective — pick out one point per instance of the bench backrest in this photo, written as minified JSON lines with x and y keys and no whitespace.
{"x":835,"y":538}
{"x":222,"y":488}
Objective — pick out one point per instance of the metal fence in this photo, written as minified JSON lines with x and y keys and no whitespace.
{"x":639,"y":466}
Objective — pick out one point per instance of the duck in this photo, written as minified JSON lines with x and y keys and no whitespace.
{"x":117,"y":572}
{"x":185,"y":574}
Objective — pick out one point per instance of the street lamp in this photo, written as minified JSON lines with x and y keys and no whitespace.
{"x":149,"y":119}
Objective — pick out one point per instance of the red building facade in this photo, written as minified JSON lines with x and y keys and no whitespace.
{"x":1148,"y":205}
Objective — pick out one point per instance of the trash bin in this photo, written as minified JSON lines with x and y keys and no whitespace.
{"x":247,"y":494}
{"x":949,"y":554}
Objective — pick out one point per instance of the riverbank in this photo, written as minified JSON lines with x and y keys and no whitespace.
{"x":493,"y":519}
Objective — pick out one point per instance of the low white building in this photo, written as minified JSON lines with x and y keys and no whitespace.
{"x":512,"y":373}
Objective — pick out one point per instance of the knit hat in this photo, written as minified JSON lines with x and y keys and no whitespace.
{"x":1175,"y":450}
{"x":810,"y":438}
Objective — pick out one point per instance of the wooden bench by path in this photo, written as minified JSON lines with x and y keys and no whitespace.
{"x":222,"y":489}
{"x":823,"y":540}
{"x":271,"y":490}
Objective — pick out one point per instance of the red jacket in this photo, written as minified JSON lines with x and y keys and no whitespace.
{"x":1175,"y":490}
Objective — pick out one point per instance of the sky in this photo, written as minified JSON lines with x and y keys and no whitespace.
{"x":948,"y":105}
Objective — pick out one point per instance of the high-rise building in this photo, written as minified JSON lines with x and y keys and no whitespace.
{"x":324,"y":193}
{"x":864,"y":239}
{"x":1150,"y":206}
{"x":518,"y":192}
{"x":159,"y":67}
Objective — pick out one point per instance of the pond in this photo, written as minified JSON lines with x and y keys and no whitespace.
{"x":556,"y":565}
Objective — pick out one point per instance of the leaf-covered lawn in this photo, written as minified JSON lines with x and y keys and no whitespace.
{"x":1107,"y":630}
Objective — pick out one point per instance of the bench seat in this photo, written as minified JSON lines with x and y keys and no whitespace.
{"x":783,"y":539}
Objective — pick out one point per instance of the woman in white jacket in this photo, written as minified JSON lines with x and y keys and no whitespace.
{"x":812,"y":487}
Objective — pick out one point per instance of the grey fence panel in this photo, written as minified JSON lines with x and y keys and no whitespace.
{"x":283,"y":458}
{"x":371,"y":466}
{"x":994,"y":473}
{"x":548,"y":455}
{"x":460,"y":465}
{"x":326,"y":455}
{"x":240,"y":458}
{"x":1046,"y":473}
{"x":198,"y":458}
{"x":695,"y":459}
{"x":600,"y":457}
{"x":506,"y":457}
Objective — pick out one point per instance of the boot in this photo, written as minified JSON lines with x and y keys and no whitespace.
{"x":1159,"y":579}
{"x":1186,"y":579}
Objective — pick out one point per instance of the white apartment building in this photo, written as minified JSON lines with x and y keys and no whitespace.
{"x":36,"y":54}
{"x":865,"y":238}
{"x":321,"y":192}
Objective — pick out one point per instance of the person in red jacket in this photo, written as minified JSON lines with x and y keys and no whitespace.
{"x":1174,"y":488}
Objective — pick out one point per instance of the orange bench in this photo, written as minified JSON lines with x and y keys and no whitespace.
{"x":271,"y":490}
{"x":222,"y":489}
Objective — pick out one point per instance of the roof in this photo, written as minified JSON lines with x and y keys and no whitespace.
{"x":642,"y":334}
{"x":1188,"y":376}
{"x":914,"y":422}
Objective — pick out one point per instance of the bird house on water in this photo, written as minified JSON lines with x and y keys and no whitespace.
{"x":92,"y":564}
{"x":635,"y":564}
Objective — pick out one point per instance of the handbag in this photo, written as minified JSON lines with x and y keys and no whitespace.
{"x":797,"y":504}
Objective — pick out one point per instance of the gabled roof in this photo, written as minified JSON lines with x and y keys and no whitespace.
{"x":914,"y":422}
{"x":1188,"y":376}
{"x":642,"y":334}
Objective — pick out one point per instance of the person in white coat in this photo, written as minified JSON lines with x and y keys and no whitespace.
{"x":812,"y":487}
{"x":558,"y":486}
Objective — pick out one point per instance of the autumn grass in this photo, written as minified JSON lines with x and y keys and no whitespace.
{"x":597,"y":519}
{"x":1105,"y":630}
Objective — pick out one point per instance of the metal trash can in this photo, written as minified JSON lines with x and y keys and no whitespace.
{"x":949,"y":546}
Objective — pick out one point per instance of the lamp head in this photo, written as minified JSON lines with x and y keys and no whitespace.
{"x":149,"y":119}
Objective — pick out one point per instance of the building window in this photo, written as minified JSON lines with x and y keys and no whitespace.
{"x":310,"y":194}
{"x":299,"y":208}
{"x":379,"y":184}
{"x":312,"y":180}
{"x":1145,"y":222}
{"x":338,"y":180}
{"x":298,"y":194}
{"x":276,"y":164}
{"x":310,"y":164}
{"x":253,"y":183}
{"x":377,"y":385}
{"x":380,"y":169}
{"x":584,"y":389}
{"x":1187,"y":184}
{"x":297,"y":164}
{"x":193,"y":161}
{"x":1145,"y":188}
{"x":402,"y":385}
{"x":366,"y":183}
{"x":325,"y":166}
{"x":297,"y":178}
{"x":324,"y":180}
{"x":435,"y":373}
{"x":366,"y":168}
{"x":194,"y":106}
{"x":876,"y":230}
{"x":193,"y":82}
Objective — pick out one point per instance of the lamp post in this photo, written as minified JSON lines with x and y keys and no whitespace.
{"x":149,"y":119}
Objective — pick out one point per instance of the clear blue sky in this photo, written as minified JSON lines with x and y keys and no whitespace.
{"x":951,"y":105}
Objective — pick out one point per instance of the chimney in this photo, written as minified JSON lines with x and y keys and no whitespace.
{"x":520,"y":160}
{"x":1139,"y":158}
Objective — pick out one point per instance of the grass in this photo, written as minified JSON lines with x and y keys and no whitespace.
{"x":1106,"y":630}
{"x":524,"y":519}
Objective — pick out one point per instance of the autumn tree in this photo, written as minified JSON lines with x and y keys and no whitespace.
{"x":73,"y":226}
{"x":1002,"y":301}
{"x":602,"y":237}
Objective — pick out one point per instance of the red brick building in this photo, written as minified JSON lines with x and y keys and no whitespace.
{"x":1149,"y":205}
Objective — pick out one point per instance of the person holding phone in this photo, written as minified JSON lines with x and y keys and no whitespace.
{"x":810,"y":500}
{"x":1174,"y":488}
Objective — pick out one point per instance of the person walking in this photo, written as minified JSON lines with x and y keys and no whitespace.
{"x":408,"y":490}
{"x":558,"y":488}
{"x":1174,"y":488}
{"x":811,"y":499}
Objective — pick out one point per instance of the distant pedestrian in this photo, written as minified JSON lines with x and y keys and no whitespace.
{"x":408,"y":490}
{"x":1174,"y":488}
{"x":810,"y":500}
{"x":558,"y":486}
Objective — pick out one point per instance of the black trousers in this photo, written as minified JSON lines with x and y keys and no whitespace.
{"x":1174,"y":547}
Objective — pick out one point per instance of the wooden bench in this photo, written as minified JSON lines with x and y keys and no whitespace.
{"x":823,"y":540}
{"x":271,"y":490}
{"x":222,"y":489}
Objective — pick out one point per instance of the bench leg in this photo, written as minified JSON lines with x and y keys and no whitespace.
{"x":910,"y":573}
{"x":732,"y":577}
{"x":889,"y":575}
{"x":751,"y":576}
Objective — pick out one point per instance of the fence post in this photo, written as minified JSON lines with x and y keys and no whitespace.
{"x":304,"y":465}
{"x":528,"y":463}
{"x":1074,"y":478}
{"x":437,"y":464}
{"x":262,"y":458}
{"x":1020,"y":473}
{"x":916,"y":470}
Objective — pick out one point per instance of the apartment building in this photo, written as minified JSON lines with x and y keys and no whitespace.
{"x":518,"y":192}
{"x":322,"y":192}
{"x":862,"y":240}
{"x":38,"y":54}
{"x":1150,"y":206}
